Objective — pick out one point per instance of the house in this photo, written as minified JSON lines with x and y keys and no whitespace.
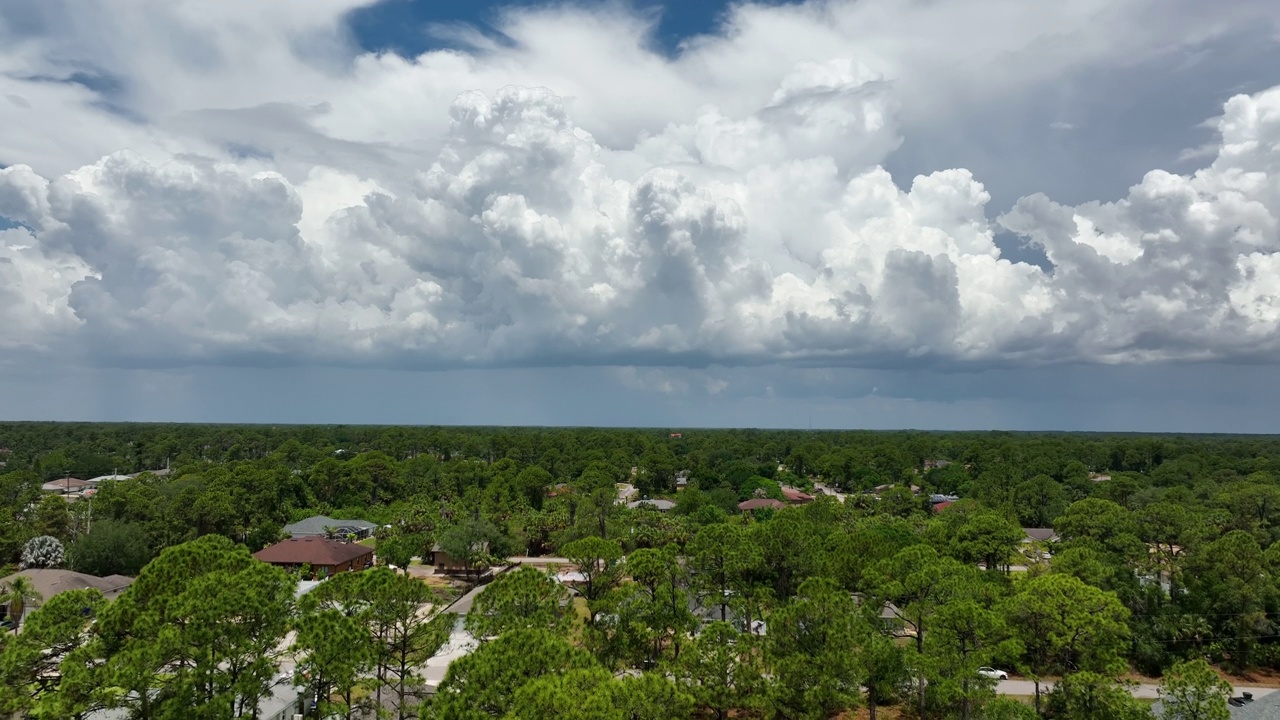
{"x":316,"y":527}
{"x":1261,"y":704}
{"x":69,"y":486}
{"x":446,"y":563}
{"x":795,"y":496}
{"x":558,"y":489}
{"x":326,"y":557}
{"x":1095,"y":477}
{"x":760,"y":504}
{"x":936,"y":464}
{"x":940,"y":506}
{"x":104,"y":478}
{"x":659,"y":504}
{"x":677,"y":436}
{"x":49,"y":582}
{"x":682,"y":480}
{"x":1039,"y":535}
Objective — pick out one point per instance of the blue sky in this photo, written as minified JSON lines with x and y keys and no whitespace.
{"x":846,"y":213}
{"x":404,"y":26}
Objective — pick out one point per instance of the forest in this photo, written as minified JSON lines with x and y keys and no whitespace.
{"x":879,"y":594}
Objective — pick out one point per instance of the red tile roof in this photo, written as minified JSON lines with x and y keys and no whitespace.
{"x":939,"y":507}
{"x":313,"y":550}
{"x":796,"y":496}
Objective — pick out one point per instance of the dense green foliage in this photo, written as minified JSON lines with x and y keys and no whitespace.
{"x":1166,"y":553}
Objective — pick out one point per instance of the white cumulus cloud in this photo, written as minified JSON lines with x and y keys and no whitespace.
{"x":574,"y":198}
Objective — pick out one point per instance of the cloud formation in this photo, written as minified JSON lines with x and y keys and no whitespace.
{"x":513,"y":205}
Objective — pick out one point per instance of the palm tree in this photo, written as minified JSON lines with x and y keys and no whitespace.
{"x":18,"y":593}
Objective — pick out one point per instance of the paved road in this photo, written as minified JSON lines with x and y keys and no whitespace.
{"x":1028,"y":688}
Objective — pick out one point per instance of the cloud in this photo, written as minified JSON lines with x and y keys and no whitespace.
{"x":726,"y":207}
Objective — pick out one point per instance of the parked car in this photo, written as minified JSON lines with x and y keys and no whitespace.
{"x":993,"y":673}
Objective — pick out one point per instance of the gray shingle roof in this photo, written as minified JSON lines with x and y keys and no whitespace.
{"x":313,"y":526}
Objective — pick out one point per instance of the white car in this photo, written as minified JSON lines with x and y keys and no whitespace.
{"x":993,"y":673}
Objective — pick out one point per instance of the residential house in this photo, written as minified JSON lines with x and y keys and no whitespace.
{"x":67,"y":486}
{"x":49,"y":582}
{"x":760,"y":504}
{"x":320,"y":526}
{"x":326,"y":557}
{"x":940,"y":506}
{"x":446,"y":563}
{"x":795,"y":496}
{"x":682,"y":480}
{"x":1044,"y":535}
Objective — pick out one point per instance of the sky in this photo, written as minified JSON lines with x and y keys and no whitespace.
{"x":933,"y":214}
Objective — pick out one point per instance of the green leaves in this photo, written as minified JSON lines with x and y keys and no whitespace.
{"x":43,"y":669}
{"x":1065,"y":625}
{"x":201,"y":626}
{"x":600,"y":563}
{"x":524,"y":598}
{"x":485,"y":683}
{"x":1193,"y":691}
{"x":1090,"y":696}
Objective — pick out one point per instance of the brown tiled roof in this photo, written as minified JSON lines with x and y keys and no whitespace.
{"x":795,"y":495}
{"x":758,"y":503}
{"x":313,"y":550}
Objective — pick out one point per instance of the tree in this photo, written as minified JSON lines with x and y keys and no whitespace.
{"x":660,"y":602}
{"x":600,"y":563}
{"x":333,"y":651}
{"x":811,"y":645}
{"x":1228,"y":583}
{"x":403,"y":636}
{"x":522,"y":599}
{"x":110,"y":548}
{"x":918,"y":582}
{"x":48,"y":671}
{"x":1007,"y":708}
{"x":18,"y":593}
{"x":966,"y":636}
{"x":201,"y":627}
{"x":1065,"y":625}
{"x":1039,"y":501}
{"x":1089,"y":696}
{"x":987,"y":538}
{"x":486,"y":682}
{"x":884,"y":670}
{"x":720,"y":558}
{"x":472,"y":543}
{"x":52,"y":517}
{"x":1193,"y":691}
{"x":43,"y":551}
{"x":399,"y":550}
{"x":720,"y":671}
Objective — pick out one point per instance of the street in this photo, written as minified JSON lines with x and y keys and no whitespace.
{"x":1028,"y":689}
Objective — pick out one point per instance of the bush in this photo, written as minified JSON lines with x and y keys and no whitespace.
{"x":43,"y":551}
